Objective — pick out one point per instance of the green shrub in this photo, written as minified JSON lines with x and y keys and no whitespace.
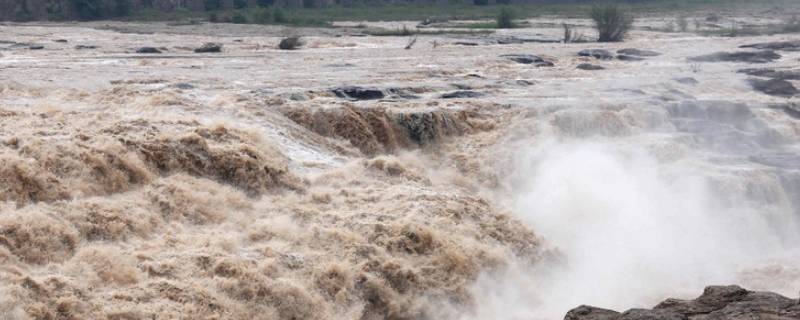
{"x":122,"y":8}
{"x":239,"y":18}
{"x":611,"y":22}
{"x":211,"y":5}
{"x":278,"y":16}
{"x":213,"y":17}
{"x":265,"y":3}
{"x":89,"y":9}
{"x":239,"y":4}
{"x":480,"y":2}
{"x":22,"y":13}
{"x":260,"y":15}
{"x":505,"y":19}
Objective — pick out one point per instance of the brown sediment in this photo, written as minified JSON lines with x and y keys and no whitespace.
{"x":118,"y":158}
{"x":376,"y":130}
{"x":140,"y":217}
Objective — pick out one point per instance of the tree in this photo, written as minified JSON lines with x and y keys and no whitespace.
{"x":89,"y":9}
{"x":211,"y":5}
{"x":611,"y":22}
{"x":505,"y":19}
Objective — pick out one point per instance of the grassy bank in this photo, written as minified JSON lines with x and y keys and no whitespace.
{"x":418,"y":12}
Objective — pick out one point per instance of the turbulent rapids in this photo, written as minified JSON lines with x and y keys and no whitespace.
{"x":353,"y":179}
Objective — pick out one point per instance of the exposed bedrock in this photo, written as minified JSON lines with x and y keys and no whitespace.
{"x":743,"y":56}
{"x":774,"y":87}
{"x":597,"y":53}
{"x":716,"y":302}
{"x":780,"y":45}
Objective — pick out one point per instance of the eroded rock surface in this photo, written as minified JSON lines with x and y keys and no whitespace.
{"x":716,"y":303}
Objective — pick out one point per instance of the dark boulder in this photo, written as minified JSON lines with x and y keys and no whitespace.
{"x":781,"y":45}
{"x":597,"y":53}
{"x":465,"y":43}
{"x":148,"y":50}
{"x":687,"y":81}
{"x":655,"y":314}
{"x":510,"y":40}
{"x":184,"y":86}
{"x":358,"y":93}
{"x":85,"y":47}
{"x":758,"y":72}
{"x":774,"y":87}
{"x":772,"y":73}
{"x":716,"y":303}
{"x":529,"y":59}
{"x":792,"y":109}
{"x":402,"y":93}
{"x":36,"y":47}
{"x":625,"y":57}
{"x":209,"y":47}
{"x":462,"y":94}
{"x":591,"y":313}
{"x":290,"y":43}
{"x":744,"y":56}
{"x":60,"y":40}
{"x":590,"y":67}
{"x":638,"y":52}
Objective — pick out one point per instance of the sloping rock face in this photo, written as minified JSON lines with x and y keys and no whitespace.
{"x":716,"y":303}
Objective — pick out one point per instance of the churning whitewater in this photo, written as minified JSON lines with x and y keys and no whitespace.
{"x":355,"y":179}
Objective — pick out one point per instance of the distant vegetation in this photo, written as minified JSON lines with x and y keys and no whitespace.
{"x":322,"y":13}
{"x":505,"y":19}
{"x":612,"y":22}
{"x":735,"y":29}
{"x":99,"y":9}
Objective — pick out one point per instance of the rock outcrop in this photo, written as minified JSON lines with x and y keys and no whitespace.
{"x":638,"y":52}
{"x":716,"y":303}
{"x":589,"y":67}
{"x":597,"y":53}
{"x":358,"y":93}
{"x":772,"y":73}
{"x":529,"y":59}
{"x":744,"y":56}
{"x":209,"y":47}
{"x":781,"y":45}
{"x":774,"y":87}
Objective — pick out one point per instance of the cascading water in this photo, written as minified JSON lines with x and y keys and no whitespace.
{"x":642,"y":203}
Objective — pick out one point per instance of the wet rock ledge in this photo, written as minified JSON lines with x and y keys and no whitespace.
{"x":716,"y":303}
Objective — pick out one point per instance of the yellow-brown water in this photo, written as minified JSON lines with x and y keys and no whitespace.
{"x":236,"y":186}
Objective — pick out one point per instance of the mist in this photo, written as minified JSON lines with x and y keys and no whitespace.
{"x":629,"y":226}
